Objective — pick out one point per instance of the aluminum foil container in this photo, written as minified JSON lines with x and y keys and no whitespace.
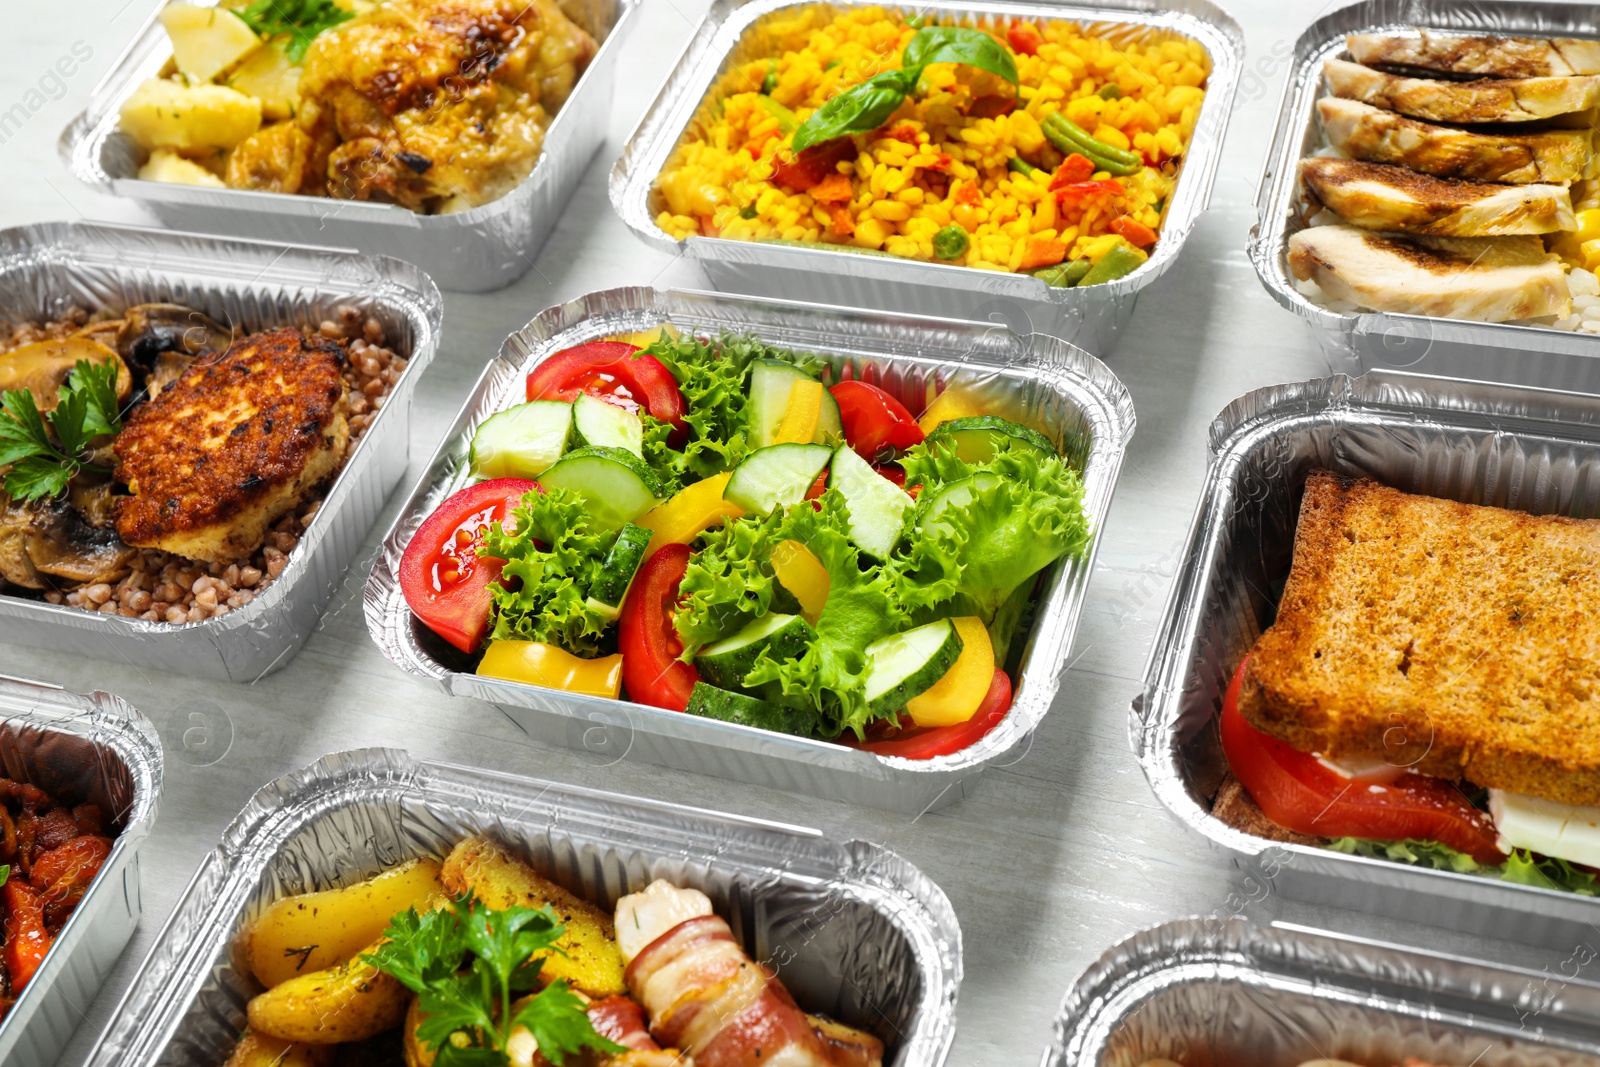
{"x":79,"y":749}
{"x":47,"y":268}
{"x":1366,"y":340}
{"x":1224,"y":993}
{"x":1090,"y":318}
{"x":483,"y":248}
{"x":855,"y":931}
{"x":1034,"y":379}
{"x":1481,"y":443}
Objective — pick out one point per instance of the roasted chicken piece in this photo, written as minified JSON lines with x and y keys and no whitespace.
{"x":1375,"y":196}
{"x":281,"y":158}
{"x":1362,"y":131}
{"x":1484,"y":100}
{"x":232,"y":445}
{"x":1489,"y":279}
{"x":1486,"y":57}
{"x":440,"y":105}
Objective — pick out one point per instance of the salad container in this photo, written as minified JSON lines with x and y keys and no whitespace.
{"x":1090,"y":318}
{"x":1225,"y":993}
{"x":87,"y":749}
{"x":1034,"y":378}
{"x":47,"y":268}
{"x":1481,"y":443}
{"x":483,"y":248}
{"x":856,"y":932}
{"x":1356,"y":341}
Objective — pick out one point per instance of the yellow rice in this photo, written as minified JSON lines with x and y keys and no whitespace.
{"x":718,"y":180}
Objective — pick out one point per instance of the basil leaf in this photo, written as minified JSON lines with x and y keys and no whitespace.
{"x":956,"y":44}
{"x":857,"y":110}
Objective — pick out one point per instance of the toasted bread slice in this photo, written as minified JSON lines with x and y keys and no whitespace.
{"x":1456,"y":640}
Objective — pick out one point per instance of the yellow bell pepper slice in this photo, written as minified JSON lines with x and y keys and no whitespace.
{"x":692,"y":509}
{"x":800,"y":415}
{"x":955,"y":698}
{"x":553,"y":668}
{"x":646,"y":338}
{"x":803,"y":574}
{"x":1570,"y":245}
{"x":948,"y":405}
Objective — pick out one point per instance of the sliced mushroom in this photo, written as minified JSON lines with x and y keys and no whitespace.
{"x":16,"y":566}
{"x":42,"y":367}
{"x":168,"y":368}
{"x":95,"y":499}
{"x":49,"y":539}
{"x":148,"y":330}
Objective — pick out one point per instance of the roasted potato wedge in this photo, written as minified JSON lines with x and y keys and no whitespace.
{"x":350,"y":1002}
{"x":591,"y":964}
{"x":259,"y":1050}
{"x":313,"y":931}
{"x":189,"y":118}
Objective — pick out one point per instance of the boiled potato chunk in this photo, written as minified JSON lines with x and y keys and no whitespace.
{"x":165,"y":114}
{"x":168,"y":166}
{"x":350,"y":1002}
{"x":267,"y":75}
{"x":312,"y":931}
{"x":206,"y":40}
{"x":259,"y":1050}
{"x":592,"y":962}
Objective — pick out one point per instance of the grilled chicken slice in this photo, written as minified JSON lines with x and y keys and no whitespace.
{"x":1481,"y":100}
{"x":1487,"y":279}
{"x":1376,"y":196}
{"x":1486,"y":57}
{"x":1362,"y":131}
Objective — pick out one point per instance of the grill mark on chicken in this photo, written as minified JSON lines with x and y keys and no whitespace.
{"x":1377,"y":196}
{"x":1501,"y":57}
{"x":1480,"y":100}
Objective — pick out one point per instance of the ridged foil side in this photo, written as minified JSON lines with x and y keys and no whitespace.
{"x":1480,"y":443}
{"x":47,"y":268}
{"x":1369,"y":340}
{"x":484,"y":248}
{"x":1037,"y":379}
{"x":1090,"y":318}
{"x":1225,"y":993}
{"x":854,"y":930}
{"x":79,"y":749}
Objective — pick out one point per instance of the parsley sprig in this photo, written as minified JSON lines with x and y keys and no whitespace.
{"x":42,"y":465}
{"x":467,"y":963}
{"x":301,"y":20}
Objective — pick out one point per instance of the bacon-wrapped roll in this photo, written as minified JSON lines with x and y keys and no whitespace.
{"x":705,"y":996}
{"x":623,"y":1021}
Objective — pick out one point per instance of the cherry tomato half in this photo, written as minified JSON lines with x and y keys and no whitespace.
{"x":27,"y":940}
{"x":444,"y":580}
{"x":873,"y":420}
{"x":652,"y":673}
{"x":614,"y":371}
{"x":928,"y":742}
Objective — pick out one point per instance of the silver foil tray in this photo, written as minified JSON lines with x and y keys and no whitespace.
{"x":1035,"y":378}
{"x":1528,"y":449}
{"x":1224,"y":993}
{"x":483,"y":248}
{"x":1372,"y":340}
{"x":855,"y":931}
{"x":47,"y":268}
{"x":79,"y":749}
{"x":1090,"y":318}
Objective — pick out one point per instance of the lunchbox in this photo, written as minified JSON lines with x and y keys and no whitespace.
{"x":1090,"y":317}
{"x":50,"y":267}
{"x":479,"y":249}
{"x":96,"y":749}
{"x":1505,"y":446}
{"x":856,"y":932}
{"x":1035,"y":378}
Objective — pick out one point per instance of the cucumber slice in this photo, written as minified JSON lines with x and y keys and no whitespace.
{"x":523,"y":441}
{"x":778,"y":475}
{"x":877,"y":505}
{"x":974,"y":437}
{"x":606,"y":425}
{"x":770,"y":382}
{"x":709,"y":702}
{"x":725,"y":663}
{"x":616,"y":573}
{"x":956,"y":494}
{"x":906,"y":665}
{"x":615,"y":484}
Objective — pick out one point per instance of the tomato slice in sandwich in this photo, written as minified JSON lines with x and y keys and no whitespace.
{"x":1299,"y":792}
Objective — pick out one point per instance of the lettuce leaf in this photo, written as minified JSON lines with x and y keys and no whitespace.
{"x":729,"y":581}
{"x":668,"y":463}
{"x":1522,"y":866}
{"x":556,"y":558}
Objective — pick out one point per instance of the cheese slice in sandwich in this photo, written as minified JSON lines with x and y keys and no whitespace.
{"x":1569,"y":832}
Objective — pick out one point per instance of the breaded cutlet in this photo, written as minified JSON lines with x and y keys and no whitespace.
{"x":1457,"y":640}
{"x":233,"y":445}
